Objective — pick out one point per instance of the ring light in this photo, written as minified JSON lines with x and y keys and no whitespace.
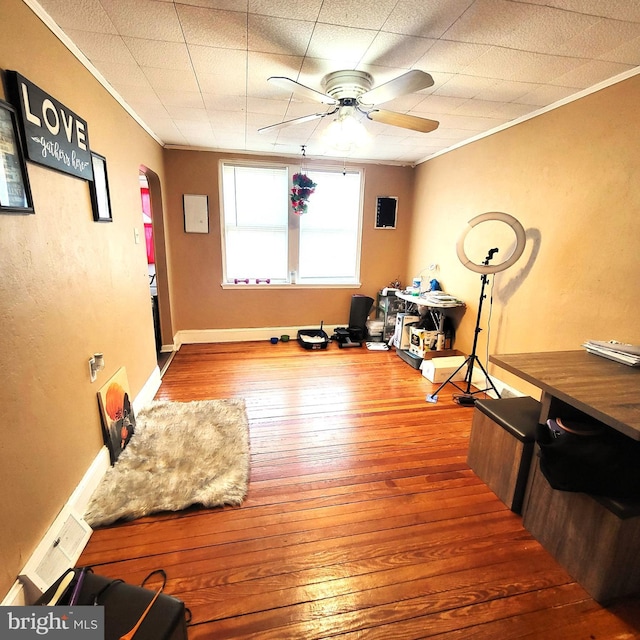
{"x":518,"y":229}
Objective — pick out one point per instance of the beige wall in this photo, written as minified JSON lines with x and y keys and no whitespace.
{"x":199,"y":302}
{"x":572,"y":178}
{"x":69,"y":287}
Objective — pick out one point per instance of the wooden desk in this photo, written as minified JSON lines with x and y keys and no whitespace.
{"x":601,"y":388}
{"x":596,"y":546}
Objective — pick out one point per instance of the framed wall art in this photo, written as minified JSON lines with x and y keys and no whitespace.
{"x":15,"y":193}
{"x":99,"y":189}
{"x":118,"y":419}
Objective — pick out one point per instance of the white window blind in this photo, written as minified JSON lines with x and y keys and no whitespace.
{"x":330,"y":230}
{"x":255,"y":222}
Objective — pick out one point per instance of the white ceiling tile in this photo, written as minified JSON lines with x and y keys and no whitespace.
{"x":213,"y":27}
{"x":220,"y":84}
{"x":167,"y":131}
{"x":187,"y":99}
{"x":149,"y":111}
{"x":263,"y":105}
{"x":627,"y":53}
{"x":591,"y":73}
{"x":394,"y":50}
{"x":230,"y":63}
{"x":435,"y":105}
{"x":518,"y":25}
{"x":132,"y":18}
{"x":616,"y":9}
{"x":123,"y":74}
{"x":451,"y":56}
{"x":344,"y":45}
{"x":226,"y":119}
{"x":505,"y":90}
{"x":463,"y":86}
{"x":352,"y":13}
{"x":143,"y":95}
{"x":82,"y":15}
{"x":522,"y":66}
{"x":171,"y":79}
{"x":191,"y":128}
{"x":188,"y":114}
{"x":545,"y":95}
{"x":427,"y":19}
{"x":279,"y":35}
{"x":470,"y":123}
{"x":261,"y":67}
{"x":160,"y":54}
{"x":213,"y":102}
{"x":102,"y":47}
{"x":475,"y":107}
{"x":287,"y":8}
{"x":600,"y":38}
{"x":226,"y":5}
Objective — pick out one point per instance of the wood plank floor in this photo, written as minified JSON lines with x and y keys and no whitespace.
{"x":362,"y":519}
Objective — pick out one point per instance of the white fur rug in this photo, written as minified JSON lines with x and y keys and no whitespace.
{"x":181,"y":453}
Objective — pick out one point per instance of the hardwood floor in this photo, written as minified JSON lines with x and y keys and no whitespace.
{"x":362,"y":518}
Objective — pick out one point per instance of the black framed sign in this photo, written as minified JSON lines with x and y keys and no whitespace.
{"x":15,"y":193}
{"x":53,"y":135}
{"x":99,"y":189}
{"x":386,"y":209}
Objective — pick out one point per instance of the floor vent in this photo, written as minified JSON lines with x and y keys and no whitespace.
{"x":59,"y":550}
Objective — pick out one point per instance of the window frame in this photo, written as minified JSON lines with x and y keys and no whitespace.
{"x":293,"y":228}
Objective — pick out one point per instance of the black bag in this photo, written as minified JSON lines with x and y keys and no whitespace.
{"x":605,"y":463}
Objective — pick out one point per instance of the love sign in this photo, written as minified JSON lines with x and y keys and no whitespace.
{"x":53,"y":135}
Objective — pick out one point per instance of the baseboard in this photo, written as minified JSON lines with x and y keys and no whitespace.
{"x":148,"y":391}
{"x":25,"y":592}
{"x":252,"y":334}
{"x":480,"y":382}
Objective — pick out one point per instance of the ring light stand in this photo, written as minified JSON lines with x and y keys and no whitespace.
{"x":485,"y":269}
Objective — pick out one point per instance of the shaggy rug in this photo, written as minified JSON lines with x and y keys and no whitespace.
{"x":181,"y":453}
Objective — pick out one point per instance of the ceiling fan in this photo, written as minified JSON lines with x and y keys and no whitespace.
{"x":349,"y":92}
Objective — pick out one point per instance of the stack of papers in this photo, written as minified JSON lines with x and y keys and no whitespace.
{"x":620,"y":352}
{"x":440,"y":299}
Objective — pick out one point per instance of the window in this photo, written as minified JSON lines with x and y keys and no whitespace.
{"x":264,"y":240}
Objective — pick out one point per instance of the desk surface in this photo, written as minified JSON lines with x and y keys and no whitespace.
{"x":425,"y":301}
{"x":603,"y":389}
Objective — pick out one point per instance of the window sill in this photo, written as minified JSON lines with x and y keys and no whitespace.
{"x":285,"y":285}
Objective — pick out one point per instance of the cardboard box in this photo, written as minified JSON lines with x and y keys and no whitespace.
{"x":402,"y":337}
{"x":438,"y":369}
{"x":422,"y":341}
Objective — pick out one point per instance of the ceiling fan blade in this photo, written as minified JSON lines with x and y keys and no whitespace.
{"x":409,"y":82}
{"x":287,"y":123}
{"x":295,"y":87}
{"x":403,"y":120}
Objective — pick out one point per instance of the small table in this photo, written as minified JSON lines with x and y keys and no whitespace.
{"x":603,"y":389}
{"x":437,"y":308}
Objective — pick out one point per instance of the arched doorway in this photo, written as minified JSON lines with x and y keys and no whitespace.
{"x":153,"y":219}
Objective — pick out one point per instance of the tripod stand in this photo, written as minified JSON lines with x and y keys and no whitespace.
{"x":472,"y":360}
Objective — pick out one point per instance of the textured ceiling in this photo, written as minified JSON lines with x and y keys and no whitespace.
{"x":195,"y":72}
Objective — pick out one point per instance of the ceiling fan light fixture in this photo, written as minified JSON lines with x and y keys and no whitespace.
{"x":346,"y":132}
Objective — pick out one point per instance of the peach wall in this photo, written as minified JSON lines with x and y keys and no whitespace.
{"x":572,"y":178}
{"x":69,"y":287}
{"x":198,"y":300}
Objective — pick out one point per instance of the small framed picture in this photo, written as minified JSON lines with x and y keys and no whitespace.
{"x":99,"y":189}
{"x":15,"y":193}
